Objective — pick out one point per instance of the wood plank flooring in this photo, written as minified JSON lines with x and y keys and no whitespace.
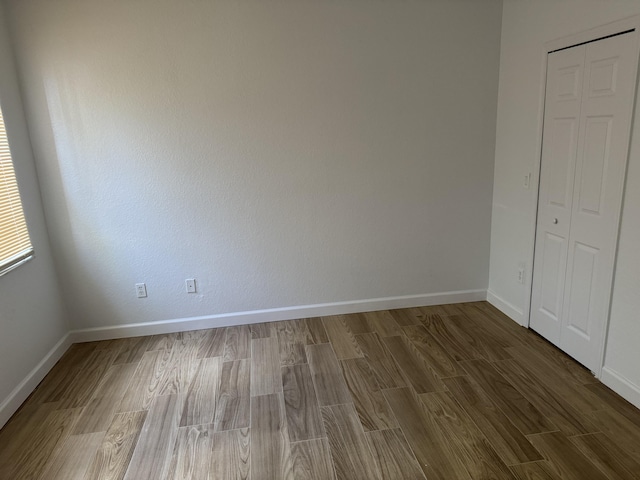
{"x":438,"y":393}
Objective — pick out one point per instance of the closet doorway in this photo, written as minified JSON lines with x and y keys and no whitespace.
{"x":589,"y":100}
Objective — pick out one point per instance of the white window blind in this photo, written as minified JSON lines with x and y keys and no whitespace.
{"x":15,"y":245}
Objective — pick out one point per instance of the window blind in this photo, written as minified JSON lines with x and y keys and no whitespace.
{"x":15,"y":244}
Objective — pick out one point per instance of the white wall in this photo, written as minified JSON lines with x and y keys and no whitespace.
{"x":32,"y":316}
{"x":281,"y":152}
{"x":526,"y":27}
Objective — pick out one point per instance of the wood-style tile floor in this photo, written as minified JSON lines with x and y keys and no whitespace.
{"x":450,"y":392}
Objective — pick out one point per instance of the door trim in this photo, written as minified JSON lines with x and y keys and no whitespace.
{"x":593,"y":34}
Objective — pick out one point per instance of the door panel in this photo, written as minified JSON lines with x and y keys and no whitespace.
{"x":603,"y":145}
{"x":581,"y":313}
{"x":569,"y":81}
{"x":595,"y":163}
{"x":603,"y":78}
{"x":557,"y":172}
{"x":563,"y":149}
{"x":552,"y":274}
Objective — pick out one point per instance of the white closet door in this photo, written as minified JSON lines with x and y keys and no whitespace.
{"x":575,"y":257}
{"x":565,"y":72}
{"x":603,"y":148}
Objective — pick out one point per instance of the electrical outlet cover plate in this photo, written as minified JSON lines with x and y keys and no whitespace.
{"x":141,"y":290}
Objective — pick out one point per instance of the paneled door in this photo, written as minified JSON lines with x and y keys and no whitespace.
{"x":589,"y":103}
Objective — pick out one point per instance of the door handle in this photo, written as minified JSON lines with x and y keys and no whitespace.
{"x":555,"y":221}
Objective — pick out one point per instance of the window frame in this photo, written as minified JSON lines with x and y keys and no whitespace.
{"x":11,"y":210}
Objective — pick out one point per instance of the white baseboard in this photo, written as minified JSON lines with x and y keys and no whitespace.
{"x":19,"y":394}
{"x":274,"y":314}
{"x":507,"y":308}
{"x":622,"y":386}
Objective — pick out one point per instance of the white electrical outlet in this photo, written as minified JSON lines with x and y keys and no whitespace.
{"x":141,"y":290}
{"x":190,"y":284}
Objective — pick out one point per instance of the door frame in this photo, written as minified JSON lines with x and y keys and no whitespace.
{"x":620,"y":26}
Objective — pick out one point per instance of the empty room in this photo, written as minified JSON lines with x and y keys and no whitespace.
{"x":319,"y":239}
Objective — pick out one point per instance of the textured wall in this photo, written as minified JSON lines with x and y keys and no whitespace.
{"x":32,"y":316}
{"x":282,"y":152}
{"x":525,"y":29}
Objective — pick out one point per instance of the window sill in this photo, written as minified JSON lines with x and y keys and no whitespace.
{"x":13,"y":266}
